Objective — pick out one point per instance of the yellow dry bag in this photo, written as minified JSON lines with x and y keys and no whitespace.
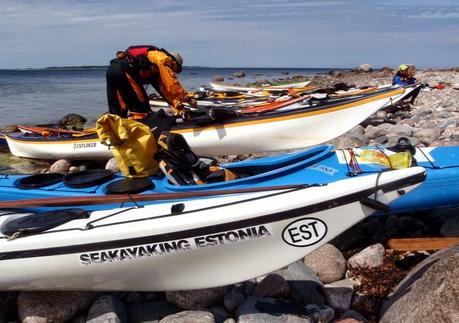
{"x":133,"y":145}
{"x":394,"y":161}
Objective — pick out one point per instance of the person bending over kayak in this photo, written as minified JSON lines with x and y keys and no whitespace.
{"x":404,"y":75}
{"x":140,"y":65}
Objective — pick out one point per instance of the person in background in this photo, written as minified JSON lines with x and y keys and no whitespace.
{"x":405,"y":75}
{"x":140,"y":65}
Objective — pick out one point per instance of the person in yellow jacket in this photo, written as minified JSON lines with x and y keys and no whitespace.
{"x":140,"y":65}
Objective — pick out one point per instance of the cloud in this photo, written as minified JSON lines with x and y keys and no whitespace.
{"x":224,"y":33}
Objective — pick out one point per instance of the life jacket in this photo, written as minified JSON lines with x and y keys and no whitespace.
{"x":181,"y":165}
{"x":138,"y":56}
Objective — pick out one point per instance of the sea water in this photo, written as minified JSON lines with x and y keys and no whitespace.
{"x":42,"y":96}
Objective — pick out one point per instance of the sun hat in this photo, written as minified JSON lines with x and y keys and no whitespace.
{"x":403,"y":67}
{"x":178,"y":58}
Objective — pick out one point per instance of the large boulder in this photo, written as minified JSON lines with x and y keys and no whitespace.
{"x":429,"y":293}
{"x":239,"y":74}
{"x":72,"y":121}
{"x":52,"y":306}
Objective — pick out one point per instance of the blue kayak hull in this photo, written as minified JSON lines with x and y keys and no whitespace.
{"x":315,"y":166}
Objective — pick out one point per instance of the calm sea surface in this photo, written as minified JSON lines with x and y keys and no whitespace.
{"x":45,"y":95}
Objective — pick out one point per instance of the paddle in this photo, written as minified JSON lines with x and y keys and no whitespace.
{"x":109,"y":199}
{"x":45,"y":131}
{"x":415,"y":244}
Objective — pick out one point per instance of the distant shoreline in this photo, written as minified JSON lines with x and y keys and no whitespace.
{"x":95,"y":67}
{"x":185,"y":67}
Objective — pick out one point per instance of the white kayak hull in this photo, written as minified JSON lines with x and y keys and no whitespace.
{"x":292,"y":129}
{"x":213,"y":242}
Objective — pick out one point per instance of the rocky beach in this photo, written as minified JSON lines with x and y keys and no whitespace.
{"x":357,"y":277}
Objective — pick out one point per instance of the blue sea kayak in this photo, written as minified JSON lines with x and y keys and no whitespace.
{"x":319,"y":165}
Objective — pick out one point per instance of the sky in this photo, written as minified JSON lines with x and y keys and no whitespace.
{"x":233,"y":33}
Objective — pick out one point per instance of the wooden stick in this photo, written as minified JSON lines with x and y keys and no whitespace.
{"x":123,"y":198}
{"x":414,"y":244}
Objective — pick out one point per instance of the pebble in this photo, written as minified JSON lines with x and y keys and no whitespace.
{"x":369,"y":257}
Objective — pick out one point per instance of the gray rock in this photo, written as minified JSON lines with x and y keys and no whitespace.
{"x":429,"y":293}
{"x":391,"y":139}
{"x":107,"y":309}
{"x":218,"y":78}
{"x":150,"y":311}
{"x":369,"y":257}
{"x":347,"y":141}
{"x":381,"y":114}
{"x":426,"y":136}
{"x":112,"y":165}
{"x":305,"y":286}
{"x":273,"y":285}
{"x":402,"y":130}
{"x":322,"y":313}
{"x":327,"y":262}
{"x":347,"y":320}
{"x":9,"y":128}
{"x":220,"y":313}
{"x":451,"y":227}
{"x":339,"y":294}
{"x":371,"y":132}
{"x":364,"y":68}
{"x":72,"y":121}
{"x":441,"y":114}
{"x":239,"y":74}
{"x":368,"y":305}
{"x":51,"y":306}
{"x":196,"y":299}
{"x":358,"y":132}
{"x":398,"y":226}
{"x":269,"y":318}
{"x":351,"y":314}
{"x":60,"y":166}
{"x":426,"y":123}
{"x":189,"y":317}
{"x":263,"y":309}
{"x":233,"y":299}
{"x":74,"y":169}
{"x":423,"y":112}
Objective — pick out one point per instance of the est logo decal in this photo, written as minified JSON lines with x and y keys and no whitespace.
{"x":304,"y":232}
